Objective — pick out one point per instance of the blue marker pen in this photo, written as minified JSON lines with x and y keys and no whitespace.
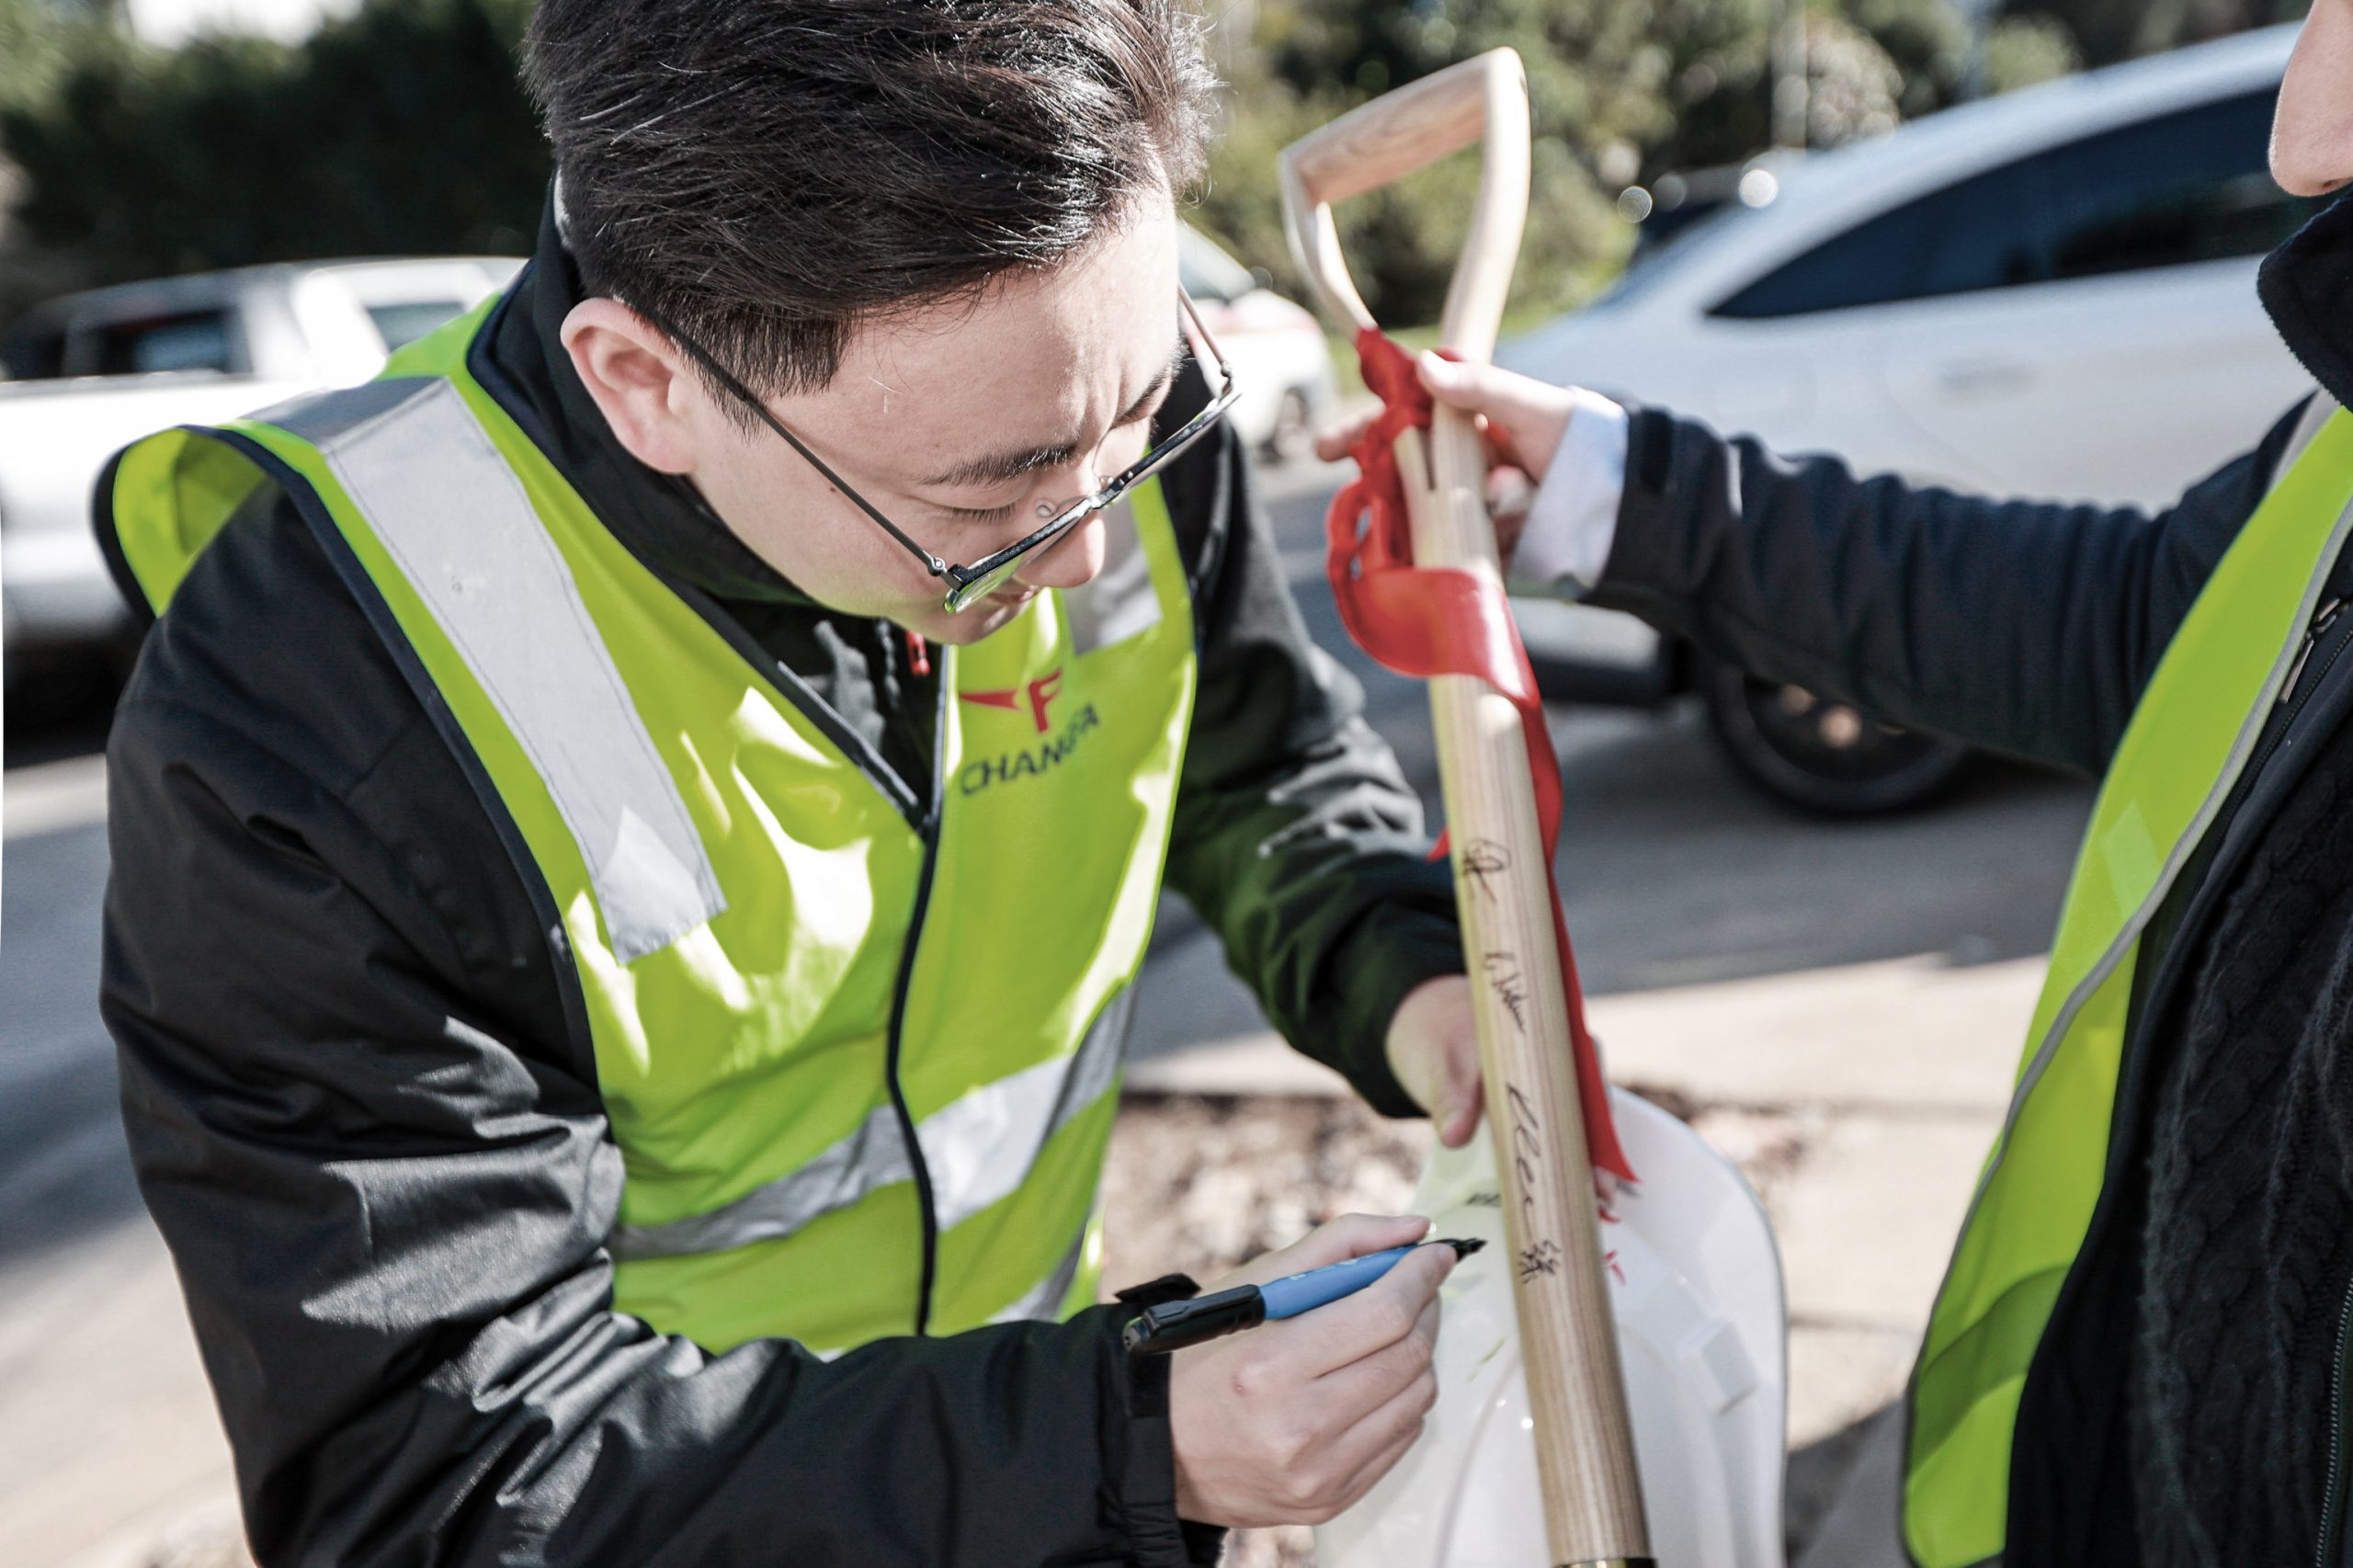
{"x":1171,"y":1325}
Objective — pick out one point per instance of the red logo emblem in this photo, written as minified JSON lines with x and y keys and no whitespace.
{"x":1040,"y":693}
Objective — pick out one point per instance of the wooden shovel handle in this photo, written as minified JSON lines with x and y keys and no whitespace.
{"x":1484,"y":98}
{"x":1584,"y":1447}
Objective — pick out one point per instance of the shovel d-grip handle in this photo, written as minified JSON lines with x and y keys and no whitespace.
{"x":1585,"y":1445}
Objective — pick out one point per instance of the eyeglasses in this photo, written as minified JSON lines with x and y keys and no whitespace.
{"x":991,"y":572}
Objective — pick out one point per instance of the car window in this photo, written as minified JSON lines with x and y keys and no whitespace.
{"x":1646,"y":265}
{"x":2191,"y":186}
{"x":2187,"y":187}
{"x":1975,"y":233}
{"x":403,"y":324}
{"x":191,"y":340}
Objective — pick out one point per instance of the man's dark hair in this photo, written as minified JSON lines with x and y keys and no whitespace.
{"x":768,"y":174}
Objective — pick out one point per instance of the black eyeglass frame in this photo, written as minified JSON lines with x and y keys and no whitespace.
{"x":985,"y":575}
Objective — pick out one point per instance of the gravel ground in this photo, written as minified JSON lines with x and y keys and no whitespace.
{"x":1198,"y":1184}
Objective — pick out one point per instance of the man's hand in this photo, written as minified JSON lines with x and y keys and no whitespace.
{"x":1522,"y":419}
{"x":1292,"y":1422}
{"x":1434,"y":1050}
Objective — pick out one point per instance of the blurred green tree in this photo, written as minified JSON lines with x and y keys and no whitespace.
{"x":1928,"y":43}
{"x":1620,"y":90}
{"x":398,"y":130}
{"x":2104,"y":32}
{"x":36,"y":37}
{"x":401,"y":128}
{"x":2023,"y":50}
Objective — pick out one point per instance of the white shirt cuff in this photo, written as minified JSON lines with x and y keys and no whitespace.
{"x":1574,"y":519}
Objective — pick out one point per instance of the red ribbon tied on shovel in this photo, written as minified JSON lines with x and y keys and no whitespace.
{"x":1427,"y":620}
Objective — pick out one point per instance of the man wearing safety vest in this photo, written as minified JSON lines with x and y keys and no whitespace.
{"x":634,"y":833}
{"x":2140,"y":1353}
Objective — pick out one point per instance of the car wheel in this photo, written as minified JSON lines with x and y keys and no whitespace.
{"x":1819,"y":754}
{"x":1293,"y":437}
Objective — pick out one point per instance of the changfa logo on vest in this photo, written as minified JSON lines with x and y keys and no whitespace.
{"x":1036,"y":700}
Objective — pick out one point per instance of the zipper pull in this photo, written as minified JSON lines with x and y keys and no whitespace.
{"x":2323,"y":619}
{"x":918,"y":654}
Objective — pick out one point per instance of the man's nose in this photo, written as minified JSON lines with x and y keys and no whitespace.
{"x":1070,"y":562}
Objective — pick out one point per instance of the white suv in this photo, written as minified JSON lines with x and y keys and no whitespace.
{"x":2051,"y":293}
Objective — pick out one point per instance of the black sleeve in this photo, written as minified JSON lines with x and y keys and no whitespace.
{"x":388,"y":1205}
{"x":1296,"y":836}
{"x":2026,"y":627}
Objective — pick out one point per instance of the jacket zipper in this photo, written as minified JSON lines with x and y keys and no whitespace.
{"x":2322,"y":621}
{"x":2293,"y":694}
{"x":930,"y":834}
{"x":2332,"y":1511}
{"x":2292,"y":697}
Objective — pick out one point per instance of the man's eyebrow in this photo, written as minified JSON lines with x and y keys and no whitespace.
{"x":1159,"y":383}
{"x":996,"y":468}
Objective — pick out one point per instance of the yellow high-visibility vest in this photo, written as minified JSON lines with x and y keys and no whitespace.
{"x":2190,"y":737}
{"x":860,"y":1055}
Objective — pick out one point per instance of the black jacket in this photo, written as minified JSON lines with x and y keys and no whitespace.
{"x":378,"y":1155}
{"x":2030,"y":628}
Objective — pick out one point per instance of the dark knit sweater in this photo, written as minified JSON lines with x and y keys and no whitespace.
{"x":2246,"y":1249}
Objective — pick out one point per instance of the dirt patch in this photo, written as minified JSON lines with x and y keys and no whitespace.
{"x":1198,"y":1184}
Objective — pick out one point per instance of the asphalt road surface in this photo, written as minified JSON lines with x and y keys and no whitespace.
{"x":1675,"y":873}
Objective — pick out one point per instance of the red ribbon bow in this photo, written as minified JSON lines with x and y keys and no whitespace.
{"x":1424,"y":622}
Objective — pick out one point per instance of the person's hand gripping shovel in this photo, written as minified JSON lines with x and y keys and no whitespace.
{"x":1647,"y":1425}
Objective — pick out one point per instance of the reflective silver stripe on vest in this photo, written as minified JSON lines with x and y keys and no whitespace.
{"x":2319,"y":409}
{"x":1045,"y":1302}
{"x":873,"y":1156}
{"x":453,"y":513}
{"x":979,"y":1149}
{"x":321,"y":417}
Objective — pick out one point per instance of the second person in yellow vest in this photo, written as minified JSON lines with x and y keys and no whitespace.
{"x":2141,"y":1356}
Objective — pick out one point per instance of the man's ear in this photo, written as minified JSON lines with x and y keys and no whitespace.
{"x":639,"y":380}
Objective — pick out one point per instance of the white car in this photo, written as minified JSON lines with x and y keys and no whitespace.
{"x":90,"y":373}
{"x":1277,"y":348}
{"x":2051,"y":294}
